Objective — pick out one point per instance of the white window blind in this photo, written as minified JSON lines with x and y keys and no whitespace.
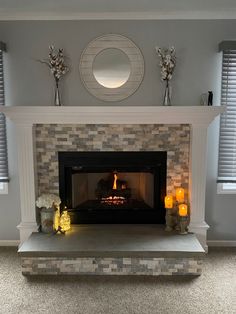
{"x":3,"y":141}
{"x":227,"y":143}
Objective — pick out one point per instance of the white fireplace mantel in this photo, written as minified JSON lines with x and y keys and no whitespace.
{"x":198,"y":117}
{"x":194,"y":115}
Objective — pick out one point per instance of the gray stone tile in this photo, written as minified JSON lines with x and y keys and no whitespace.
{"x":51,"y":138}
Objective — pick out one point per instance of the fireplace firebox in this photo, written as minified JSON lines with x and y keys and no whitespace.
{"x":113,"y":187}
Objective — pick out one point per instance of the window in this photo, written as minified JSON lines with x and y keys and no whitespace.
{"x":227,"y":145}
{"x":3,"y":142}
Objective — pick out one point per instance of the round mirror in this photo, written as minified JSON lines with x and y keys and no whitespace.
{"x":111,"y":68}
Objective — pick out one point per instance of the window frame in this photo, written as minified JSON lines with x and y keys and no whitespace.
{"x":5,"y":180}
{"x":225,"y":183}
{"x":3,"y":187}
{"x":223,"y":189}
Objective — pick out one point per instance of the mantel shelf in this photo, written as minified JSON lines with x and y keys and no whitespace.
{"x":194,"y":115}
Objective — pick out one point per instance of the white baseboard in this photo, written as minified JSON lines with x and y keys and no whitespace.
{"x":9,"y":242}
{"x":223,"y":243}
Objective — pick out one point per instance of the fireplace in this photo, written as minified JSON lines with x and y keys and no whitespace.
{"x":46,"y":130}
{"x":113,"y":187}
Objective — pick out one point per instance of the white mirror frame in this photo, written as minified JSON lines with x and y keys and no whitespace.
{"x":136,"y":64}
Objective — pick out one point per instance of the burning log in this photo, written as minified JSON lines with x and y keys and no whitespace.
{"x":114,"y":200}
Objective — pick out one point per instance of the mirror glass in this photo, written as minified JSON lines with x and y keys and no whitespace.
{"x":111,"y":68}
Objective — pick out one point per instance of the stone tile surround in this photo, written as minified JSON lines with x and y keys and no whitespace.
{"x":51,"y":138}
{"x":110,"y":266}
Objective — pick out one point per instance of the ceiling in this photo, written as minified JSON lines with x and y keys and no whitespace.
{"x":113,"y":9}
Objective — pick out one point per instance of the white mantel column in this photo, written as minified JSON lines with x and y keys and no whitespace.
{"x":27,"y":180}
{"x":198,"y":165}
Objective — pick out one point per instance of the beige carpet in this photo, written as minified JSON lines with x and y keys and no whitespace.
{"x":213,"y":292}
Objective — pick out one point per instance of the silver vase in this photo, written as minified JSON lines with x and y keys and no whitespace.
{"x":57,"y":96}
{"x":167,"y":94}
{"x":47,"y":220}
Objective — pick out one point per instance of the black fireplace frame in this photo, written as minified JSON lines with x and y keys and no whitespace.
{"x":96,"y":161}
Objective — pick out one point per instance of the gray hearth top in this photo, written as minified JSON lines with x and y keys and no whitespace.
{"x":113,"y":241}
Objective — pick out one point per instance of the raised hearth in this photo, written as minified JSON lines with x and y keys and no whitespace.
{"x":112,"y":250}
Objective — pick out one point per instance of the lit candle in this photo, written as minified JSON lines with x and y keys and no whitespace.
{"x":179,"y":194}
{"x":183,"y":210}
{"x":168,"y":201}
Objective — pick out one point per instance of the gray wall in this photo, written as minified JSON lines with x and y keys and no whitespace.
{"x":198,"y":70}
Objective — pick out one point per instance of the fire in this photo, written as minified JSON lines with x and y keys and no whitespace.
{"x":114,"y":182}
{"x":117,"y":192}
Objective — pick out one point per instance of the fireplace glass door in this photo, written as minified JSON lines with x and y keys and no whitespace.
{"x":113,"y":187}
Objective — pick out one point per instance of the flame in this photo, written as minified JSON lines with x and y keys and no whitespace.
{"x":114,"y":183}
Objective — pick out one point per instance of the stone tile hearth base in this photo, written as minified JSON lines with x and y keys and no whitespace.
{"x":110,"y":266}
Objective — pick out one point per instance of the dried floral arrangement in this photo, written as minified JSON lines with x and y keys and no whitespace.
{"x":58,"y":67}
{"x":48,"y":201}
{"x":167,"y":62}
{"x":56,"y":63}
